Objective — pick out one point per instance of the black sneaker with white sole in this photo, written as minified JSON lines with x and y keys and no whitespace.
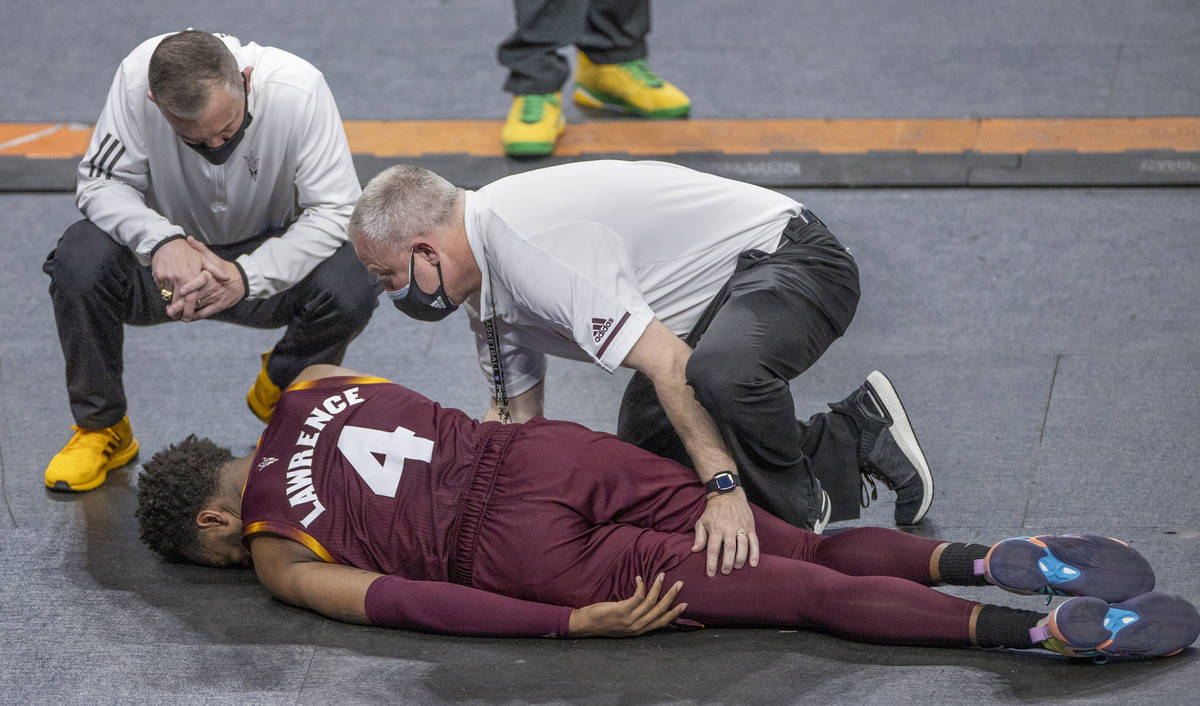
{"x":887,"y":447}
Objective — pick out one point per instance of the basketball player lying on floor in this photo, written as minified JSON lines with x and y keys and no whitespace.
{"x":369,"y":503}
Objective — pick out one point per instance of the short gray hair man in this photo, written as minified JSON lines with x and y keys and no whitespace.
{"x":402,"y":203}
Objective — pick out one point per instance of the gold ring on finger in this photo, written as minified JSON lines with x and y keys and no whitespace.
{"x":166,"y":295}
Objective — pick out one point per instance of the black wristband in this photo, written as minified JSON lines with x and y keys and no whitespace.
{"x":245,"y":280}
{"x":164,"y":241}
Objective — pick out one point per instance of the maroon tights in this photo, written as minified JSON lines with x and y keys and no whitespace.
{"x":868,"y":584}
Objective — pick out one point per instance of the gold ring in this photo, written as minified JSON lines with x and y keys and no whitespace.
{"x":166,"y":294}
{"x":742,"y":532}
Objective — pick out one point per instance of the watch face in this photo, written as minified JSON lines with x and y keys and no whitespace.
{"x":724,"y":481}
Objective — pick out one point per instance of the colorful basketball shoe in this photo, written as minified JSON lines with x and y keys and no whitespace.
{"x":533,"y":125}
{"x":1150,"y":625}
{"x":1068,"y":565}
{"x":628,"y":87}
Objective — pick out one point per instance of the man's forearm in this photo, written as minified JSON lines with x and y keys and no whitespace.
{"x":695,"y":427}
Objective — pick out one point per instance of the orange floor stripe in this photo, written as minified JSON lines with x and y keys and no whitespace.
{"x":411,"y":138}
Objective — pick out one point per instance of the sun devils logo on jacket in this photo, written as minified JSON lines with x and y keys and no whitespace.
{"x":252,"y":164}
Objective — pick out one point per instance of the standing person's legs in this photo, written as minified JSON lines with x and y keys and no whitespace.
{"x":615,"y":31}
{"x":530,"y":53}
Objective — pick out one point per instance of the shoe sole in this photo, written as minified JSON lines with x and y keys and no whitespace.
{"x":529,"y":149}
{"x":1073,"y":565}
{"x":905,"y":437}
{"x":819,"y":525}
{"x":1150,"y":625}
{"x":119,"y":459}
{"x":605,"y":101}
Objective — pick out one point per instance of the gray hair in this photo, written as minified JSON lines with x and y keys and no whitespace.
{"x":400,"y":204}
{"x":184,"y":70}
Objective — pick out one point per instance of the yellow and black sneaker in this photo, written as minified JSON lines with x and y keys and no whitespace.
{"x":534,"y":123}
{"x":264,"y":395}
{"x":84,"y":463}
{"x":629,"y":87}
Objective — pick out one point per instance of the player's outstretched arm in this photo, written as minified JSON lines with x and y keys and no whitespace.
{"x":295,"y":575}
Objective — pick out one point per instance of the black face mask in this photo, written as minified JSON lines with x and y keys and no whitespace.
{"x":421,"y":305}
{"x":221,"y":155}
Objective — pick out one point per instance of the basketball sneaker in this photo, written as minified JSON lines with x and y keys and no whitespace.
{"x":1150,"y":625}
{"x":628,"y":87}
{"x":534,"y":123}
{"x":887,"y":448}
{"x":1068,"y":565}
{"x":264,"y":394}
{"x":84,"y":463}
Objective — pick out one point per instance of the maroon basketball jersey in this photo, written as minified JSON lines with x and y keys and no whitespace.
{"x":363,"y":472}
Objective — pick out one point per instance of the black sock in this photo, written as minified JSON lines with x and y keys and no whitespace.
{"x":998,"y":626}
{"x":957,"y":564}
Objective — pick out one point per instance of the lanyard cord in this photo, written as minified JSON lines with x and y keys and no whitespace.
{"x":493,"y":340}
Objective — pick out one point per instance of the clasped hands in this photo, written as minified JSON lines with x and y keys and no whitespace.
{"x":194,"y":281}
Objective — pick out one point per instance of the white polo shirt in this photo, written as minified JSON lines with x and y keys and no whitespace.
{"x":577,"y":259}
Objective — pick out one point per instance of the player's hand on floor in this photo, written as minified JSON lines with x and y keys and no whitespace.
{"x":727,"y":523}
{"x":642,"y":612}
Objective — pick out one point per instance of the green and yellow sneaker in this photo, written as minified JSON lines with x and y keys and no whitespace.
{"x":629,"y":87}
{"x":534,"y":123}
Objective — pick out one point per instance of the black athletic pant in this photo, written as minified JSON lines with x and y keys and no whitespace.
{"x":770,"y":322}
{"x":98,"y":286}
{"x":607,"y":31}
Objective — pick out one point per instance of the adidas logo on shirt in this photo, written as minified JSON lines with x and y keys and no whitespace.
{"x":600,"y":327}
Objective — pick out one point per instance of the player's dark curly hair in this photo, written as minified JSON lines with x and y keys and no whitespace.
{"x":174,"y":486}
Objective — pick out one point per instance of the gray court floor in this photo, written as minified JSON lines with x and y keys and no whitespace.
{"x":1045,"y":341}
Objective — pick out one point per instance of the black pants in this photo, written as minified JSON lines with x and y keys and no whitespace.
{"x":770,"y":322}
{"x":607,"y":31}
{"x":98,"y":286}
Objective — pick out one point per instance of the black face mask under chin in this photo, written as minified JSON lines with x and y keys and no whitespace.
{"x":421,"y":305}
{"x":220,"y":155}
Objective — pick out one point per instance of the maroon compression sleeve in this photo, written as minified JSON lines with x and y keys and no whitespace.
{"x":460,"y":610}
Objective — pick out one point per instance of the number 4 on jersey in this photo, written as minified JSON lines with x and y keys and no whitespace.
{"x":363,"y":447}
